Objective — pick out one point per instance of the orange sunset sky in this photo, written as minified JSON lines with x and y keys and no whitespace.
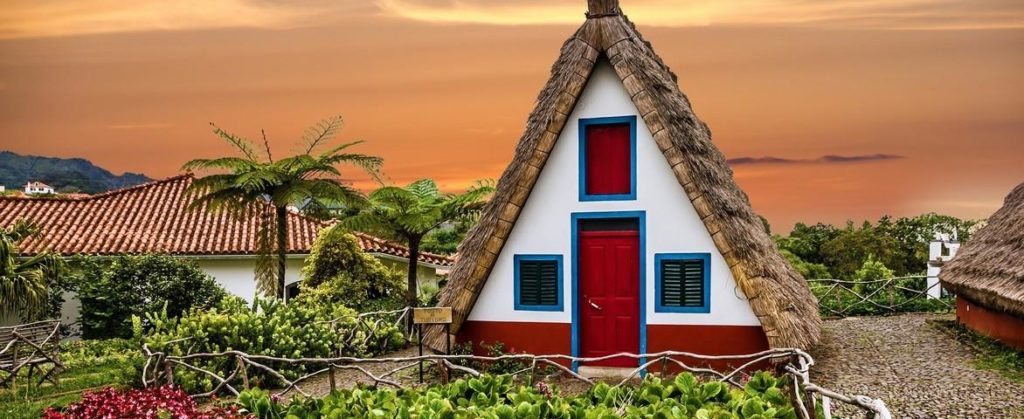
{"x":925,"y":96}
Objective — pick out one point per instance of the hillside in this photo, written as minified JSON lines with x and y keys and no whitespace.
{"x":66,"y":175}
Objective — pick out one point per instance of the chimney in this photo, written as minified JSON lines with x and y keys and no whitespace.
{"x":602,"y":8}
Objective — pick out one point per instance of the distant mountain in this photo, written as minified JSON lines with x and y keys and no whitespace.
{"x":65,"y":175}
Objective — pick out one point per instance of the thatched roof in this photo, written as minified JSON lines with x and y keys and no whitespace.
{"x":989,"y":270}
{"x":778,"y":295}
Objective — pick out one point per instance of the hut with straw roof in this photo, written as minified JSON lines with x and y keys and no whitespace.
{"x":987,"y":275}
{"x":618,"y":227}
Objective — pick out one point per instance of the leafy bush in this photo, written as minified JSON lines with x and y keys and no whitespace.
{"x":150,"y":403}
{"x":488,"y":396}
{"x":134,"y":285}
{"x":338,"y":271}
{"x":302,"y":328}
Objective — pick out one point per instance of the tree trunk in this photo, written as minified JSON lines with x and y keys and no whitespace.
{"x":412,"y":296}
{"x":282,"y":248}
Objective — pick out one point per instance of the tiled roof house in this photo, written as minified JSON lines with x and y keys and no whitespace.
{"x":154,"y":218}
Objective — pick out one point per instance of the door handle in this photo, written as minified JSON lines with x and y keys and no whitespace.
{"x":595,"y":306}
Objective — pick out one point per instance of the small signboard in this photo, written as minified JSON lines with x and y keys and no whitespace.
{"x":432,"y":315}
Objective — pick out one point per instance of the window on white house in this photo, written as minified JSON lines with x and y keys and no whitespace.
{"x":682,"y":282}
{"x":538,"y":282}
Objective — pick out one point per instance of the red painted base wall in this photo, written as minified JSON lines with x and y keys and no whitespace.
{"x":995,"y":324}
{"x":709,"y":340}
{"x":556,"y":338}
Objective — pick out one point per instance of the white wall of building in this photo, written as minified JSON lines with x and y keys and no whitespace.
{"x":673,"y":225}
{"x":237,"y":276}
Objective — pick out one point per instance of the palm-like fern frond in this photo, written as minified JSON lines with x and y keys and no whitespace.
{"x":323,"y":130}
{"x":253,"y":184}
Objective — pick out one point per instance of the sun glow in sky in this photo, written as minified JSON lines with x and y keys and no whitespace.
{"x":442,"y":88}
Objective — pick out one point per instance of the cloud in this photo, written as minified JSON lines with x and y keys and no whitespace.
{"x":49,"y":18}
{"x":826,"y":159}
{"x":859,"y":14}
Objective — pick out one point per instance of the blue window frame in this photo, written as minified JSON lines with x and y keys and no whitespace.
{"x":682,"y":282}
{"x":530,"y":265}
{"x":583,"y":124}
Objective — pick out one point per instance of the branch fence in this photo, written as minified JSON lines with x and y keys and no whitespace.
{"x":159,"y":368}
{"x":841,"y":298}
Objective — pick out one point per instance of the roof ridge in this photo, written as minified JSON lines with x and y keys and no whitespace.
{"x":142,"y":185}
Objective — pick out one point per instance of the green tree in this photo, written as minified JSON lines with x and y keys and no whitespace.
{"x":870,"y":275}
{"x":410,"y":213}
{"x":807,"y":269}
{"x":23,"y":283}
{"x":805,"y":241}
{"x":339,"y":272}
{"x":308,"y":178}
{"x":112,"y":292}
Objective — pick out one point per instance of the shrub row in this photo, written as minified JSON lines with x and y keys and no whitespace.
{"x":497,"y":397}
{"x":301,"y":328}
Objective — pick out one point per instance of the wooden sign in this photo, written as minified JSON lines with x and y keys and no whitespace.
{"x":432,"y":315}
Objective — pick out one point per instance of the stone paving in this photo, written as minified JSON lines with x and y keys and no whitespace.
{"x":918,"y":369}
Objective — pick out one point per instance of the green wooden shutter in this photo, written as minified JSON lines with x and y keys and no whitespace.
{"x":682,"y":283}
{"x":538,"y":282}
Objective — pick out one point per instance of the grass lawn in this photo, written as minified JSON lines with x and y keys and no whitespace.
{"x":86,"y":370}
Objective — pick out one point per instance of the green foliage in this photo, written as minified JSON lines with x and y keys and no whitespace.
{"x":310,"y":179}
{"x":900,"y":244}
{"x":24,"y":282}
{"x":446,"y":239}
{"x":498,"y":397}
{"x":111,"y":293}
{"x":872,"y":280}
{"x":408,"y":214}
{"x":89,"y":364}
{"x":302,"y":328}
{"x":339,"y":272}
{"x":807,"y":269}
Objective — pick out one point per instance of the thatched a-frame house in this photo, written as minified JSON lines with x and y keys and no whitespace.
{"x":987,"y":275}
{"x":618,"y":226}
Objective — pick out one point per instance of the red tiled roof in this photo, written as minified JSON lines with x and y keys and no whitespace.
{"x":153,"y":218}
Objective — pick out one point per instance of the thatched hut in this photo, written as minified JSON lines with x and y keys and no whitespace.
{"x":618,"y":227}
{"x":987,"y":275}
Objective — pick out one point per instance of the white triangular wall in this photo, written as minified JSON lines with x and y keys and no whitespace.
{"x":672,"y":224}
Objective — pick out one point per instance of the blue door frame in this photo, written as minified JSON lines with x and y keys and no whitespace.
{"x":641,"y":217}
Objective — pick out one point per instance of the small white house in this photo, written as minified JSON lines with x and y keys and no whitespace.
{"x":153,"y":218}
{"x":38,"y":188}
{"x":617,"y":226}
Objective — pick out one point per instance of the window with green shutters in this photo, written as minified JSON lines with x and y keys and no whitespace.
{"x":682,"y":282}
{"x":538,"y":282}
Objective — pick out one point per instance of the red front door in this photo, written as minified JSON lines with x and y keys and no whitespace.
{"x":609,"y":295}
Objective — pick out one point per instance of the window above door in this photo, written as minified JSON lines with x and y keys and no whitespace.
{"x":607,"y":159}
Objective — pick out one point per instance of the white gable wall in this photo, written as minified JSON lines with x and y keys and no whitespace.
{"x":673,"y":225}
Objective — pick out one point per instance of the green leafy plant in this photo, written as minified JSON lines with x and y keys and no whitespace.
{"x":303,"y":328}
{"x":498,"y":397}
{"x":23,"y":282}
{"x":338,"y":271}
{"x":111,"y":293}
{"x":408,"y":214}
{"x":248,"y":183}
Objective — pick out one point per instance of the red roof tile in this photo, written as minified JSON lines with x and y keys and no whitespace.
{"x":153,"y":218}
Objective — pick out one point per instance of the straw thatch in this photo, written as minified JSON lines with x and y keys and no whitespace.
{"x":989,"y":270}
{"x":778,"y":295}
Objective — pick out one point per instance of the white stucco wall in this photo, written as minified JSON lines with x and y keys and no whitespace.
{"x":237,"y":276}
{"x":673,"y":225}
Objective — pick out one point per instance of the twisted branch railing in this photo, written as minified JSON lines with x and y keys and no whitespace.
{"x":841,"y":298}
{"x":159,"y":369}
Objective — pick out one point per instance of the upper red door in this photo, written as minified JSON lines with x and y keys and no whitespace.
{"x":609,"y":295}
{"x":608,"y":157}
